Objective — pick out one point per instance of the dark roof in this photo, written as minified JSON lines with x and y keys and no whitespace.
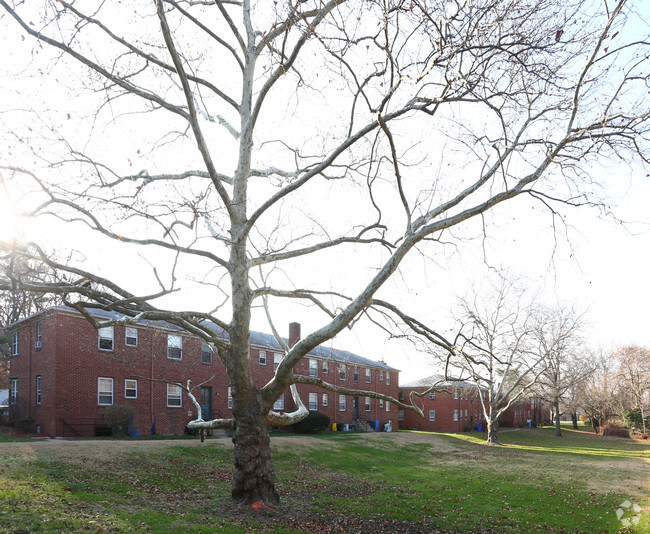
{"x":258,"y":339}
{"x":438,"y":381}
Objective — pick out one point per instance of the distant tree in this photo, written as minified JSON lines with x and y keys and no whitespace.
{"x":599,"y":396}
{"x":634,"y":375}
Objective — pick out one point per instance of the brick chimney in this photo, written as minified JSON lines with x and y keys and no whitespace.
{"x":294,"y":333}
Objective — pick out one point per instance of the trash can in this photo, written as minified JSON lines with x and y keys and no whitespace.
{"x":334,"y":427}
{"x":376,"y":425}
{"x":479,"y":427}
{"x":528,"y":424}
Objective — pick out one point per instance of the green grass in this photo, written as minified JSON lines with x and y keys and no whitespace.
{"x":534,"y":483}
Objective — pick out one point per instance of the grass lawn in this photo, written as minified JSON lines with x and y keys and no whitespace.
{"x":340,"y":482}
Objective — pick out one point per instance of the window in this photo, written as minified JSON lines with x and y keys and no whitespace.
{"x":381,"y":375}
{"x":467,"y":394}
{"x":341,"y":403}
{"x":313,"y":367}
{"x":368,"y":376}
{"x":174,"y":396}
{"x":277,"y":358}
{"x":368,"y":404}
{"x":343,"y":372}
{"x":455,"y":393}
{"x":206,"y":353}
{"x":106,"y":338}
{"x":262,"y":357}
{"x":400,"y":395}
{"x":13,"y":397}
{"x":14,"y":344}
{"x":174,"y":347}
{"x":388,"y":406}
{"x":356,"y":373}
{"x":432,"y":395}
{"x":104,"y":391}
{"x":131,"y":388}
{"x":475,"y":415}
{"x":313,"y":401}
{"x":455,"y":415}
{"x":131,"y":336}
{"x":400,"y":415}
{"x":388,"y":378}
{"x":38,"y":389}
{"x":325,"y":367}
{"x":326,"y":399}
{"x":229,"y":398}
{"x":465,"y":415}
{"x":381,"y":403}
{"x":432,"y":415}
{"x":279,"y":404}
{"x":39,"y":336}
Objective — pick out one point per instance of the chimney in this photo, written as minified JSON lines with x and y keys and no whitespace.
{"x":294,"y":334}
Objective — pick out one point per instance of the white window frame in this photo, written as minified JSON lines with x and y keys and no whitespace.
{"x":325,"y":399}
{"x":455,"y":393}
{"x":388,"y":406}
{"x":278,"y":405}
{"x":13,"y":391}
{"x":39,"y":334}
{"x":325,"y":367}
{"x":381,"y":375}
{"x":388,"y":378}
{"x":14,"y":344}
{"x":133,"y":331}
{"x":313,"y":367}
{"x":229,"y":398}
{"x":356,"y":373}
{"x":134,"y":387}
{"x":381,"y":403}
{"x":432,"y":415}
{"x":343,"y":372}
{"x":455,"y":415}
{"x":104,"y":392}
{"x":38,"y":390}
{"x":313,"y":401}
{"x":400,"y":415}
{"x":174,"y":394}
{"x":205,"y":349}
{"x":342,"y":403}
{"x":174,"y":341}
{"x":475,"y":415}
{"x":277,"y":358}
{"x":262,"y":357}
{"x":432,"y":395}
{"x":368,"y":404}
{"x":102,"y":335}
{"x":466,"y":417}
{"x":368,"y":375}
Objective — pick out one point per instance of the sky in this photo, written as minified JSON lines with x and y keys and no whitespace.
{"x":594,"y":263}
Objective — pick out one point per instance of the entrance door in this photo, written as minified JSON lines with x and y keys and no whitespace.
{"x":356,"y":407}
{"x":206,"y":403}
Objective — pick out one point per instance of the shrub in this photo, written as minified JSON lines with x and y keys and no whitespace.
{"x":611,"y":429}
{"x":632,"y":419}
{"x":314,"y":422}
{"x":120,"y":418}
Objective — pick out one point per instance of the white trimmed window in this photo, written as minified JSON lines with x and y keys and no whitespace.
{"x":368,"y":404}
{"x":39,"y":336}
{"x":475,"y":415}
{"x":262,"y":357}
{"x":432,"y":415}
{"x":400,"y":415}
{"x":229,"y":398}
{"x":313,"y":401}
{"x":13,"y":395}
{"x":38,"y":389}
{"x":206,"y":353}
{"x":131,"y":388}
{"x":356,"y":373}
{"x":279,"y":404}
{"x":326,"y":399}
{"x":325,"y":367}
{"x":341,"y":403}
{"x":368,"y":375}
{"x":455,"y":393}
{"x":104,"y":391}
{"x":106,"y":338}
{"x":388,"y":406}
{"x":381,"y":403}
{"x":174,"y":347}
{"x":381,"y":375}
{"x":131,"y":336}
{"x":277,"y":358}
{"x":313,"y":367}
{"x":432,"y":395}
{"x":455,"y":415}
{"x":14,"y":344}
{"x":343,"y":372}
{"x":174,"y":399}
{"x":466,"y":415}
{"x":388,"y":378}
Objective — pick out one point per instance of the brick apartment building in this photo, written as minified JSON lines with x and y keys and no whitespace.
{"x":64,"y":373}
{"x":454,"y":407}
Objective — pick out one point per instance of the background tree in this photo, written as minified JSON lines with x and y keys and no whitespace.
{"x":600,"y":395}
{"x":634,"y":375}
{"x":226,"y":150}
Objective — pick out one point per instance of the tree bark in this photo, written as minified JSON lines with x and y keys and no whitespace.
{"x":558,"y":428}
{"x":574,"y":420}
{"x":493,"y":431}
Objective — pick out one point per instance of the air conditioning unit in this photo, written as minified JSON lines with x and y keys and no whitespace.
{"x":37,"y":345}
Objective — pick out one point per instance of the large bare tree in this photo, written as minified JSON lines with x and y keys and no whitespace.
{"x":238,"y":145}
{"x":634,"y":378}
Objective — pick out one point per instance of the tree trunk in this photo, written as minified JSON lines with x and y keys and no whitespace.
{"x":493,"y":431}
{"x":574,"y":420}
{"x":254,"y":478}
{"x":558,"y":428}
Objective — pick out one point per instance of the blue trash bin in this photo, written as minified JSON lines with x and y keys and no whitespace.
{"x":479,"y":427}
